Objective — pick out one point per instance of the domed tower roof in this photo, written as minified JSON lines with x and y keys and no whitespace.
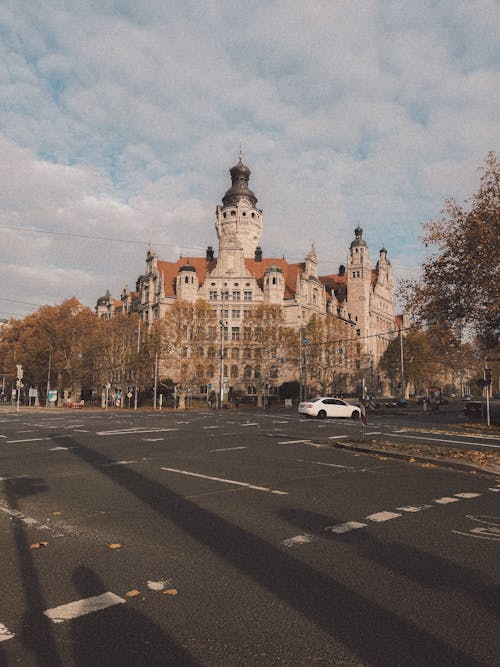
{"x":358,"y":241}
{"x":240,"y":175}
{"x":187,"y":267}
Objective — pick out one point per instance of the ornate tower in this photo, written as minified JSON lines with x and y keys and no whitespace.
{"x":358,"y":287}
{"x":239,"y":219}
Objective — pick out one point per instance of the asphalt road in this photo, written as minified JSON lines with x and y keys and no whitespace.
{"x":249,"y":539}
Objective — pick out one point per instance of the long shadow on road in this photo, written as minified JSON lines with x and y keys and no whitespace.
{"x":377,"y":636}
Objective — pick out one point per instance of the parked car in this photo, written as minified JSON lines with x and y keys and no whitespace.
{"x":466,"y":397}
{"x":474,"y":409}
{"x":396,"y":403}
{"x":328,"y":406}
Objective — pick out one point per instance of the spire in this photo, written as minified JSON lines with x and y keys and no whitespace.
{"x":240,"y":175}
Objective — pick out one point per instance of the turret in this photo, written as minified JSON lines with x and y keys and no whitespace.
{"x":274,"y":285}
{"x":187,"y":283}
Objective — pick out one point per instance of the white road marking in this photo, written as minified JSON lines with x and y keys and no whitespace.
{"x":336,"y":437}
{"x":213,"y":427}
{"x":495,"y":490}
{"x":5,"y":633}
{"x":345,"y":527}
{"x":3,"y":436}
{"x":445,"y":500}
{"x":152,"y":439}
{"x":9,"y":442}
{"x":378,"y":517}
{"x":80,"y":430}
{"x":136,"y":431}
{"x":249,"y":424}
{"x":402,"y":430}
{"x":456,"y":442}
{"x":227,"y":449}
{"x":467,"y":495}
{"x":298,"y":539}
{"x":333,"y":465}
{"x":66,"y":612}
{"x":60,"y":449}
{"x":28,"y":521}
{"x":118,"y":463}
{"x":227,"y":481}
{"x":413,"y":508}
{"x":374,"y":433}
{"x":293,"y":442}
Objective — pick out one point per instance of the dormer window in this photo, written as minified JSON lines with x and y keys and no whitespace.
{"x":233,"y":214}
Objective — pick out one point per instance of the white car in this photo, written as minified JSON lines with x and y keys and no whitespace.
{"x":329,"y":407}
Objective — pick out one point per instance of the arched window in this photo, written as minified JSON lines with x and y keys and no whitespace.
{"x":235,"y":353}
{"x":234,"y":371}
{"x":210,"y":371}
{"x":247,"y":373}
{"x":256,"y":372}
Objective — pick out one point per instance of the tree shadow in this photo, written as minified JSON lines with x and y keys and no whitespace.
{"x":121,"y":635}
{"x":36,"y":631}
{"x":434,"y":572}
{"x":377,"y":636}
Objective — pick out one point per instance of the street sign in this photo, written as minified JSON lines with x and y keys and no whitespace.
{"x":129,"y":395}
{"x":209,"y":386}
{"x":306,"y":340}
{"x":20,"y":372}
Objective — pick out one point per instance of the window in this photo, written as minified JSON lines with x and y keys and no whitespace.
{"x":258,"y":353}
{"x":212,"y":333}
{"x":233,"y":213}
{"x":247,"y":353}
{"x":235,"y":353}
{"x":235,"y":314}
{"x":213,"y":295}
{"x":226,"y":334}
{"x":235,"y":333}
{"x":247,"y":295}
{"x":247,"y":333}
{"x":210,"y":371}
{"x":234,"y":371}
{"x":274,"y":280}
{"x":224,"y":314}
{"x":224,"y":295}
{"x":236,"y":295}
{"x":247,"y":373}
{"x":246,"y":313}
{"x":211,"y":352}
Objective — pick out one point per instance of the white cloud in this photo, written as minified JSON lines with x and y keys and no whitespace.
{"x":121,"y":121}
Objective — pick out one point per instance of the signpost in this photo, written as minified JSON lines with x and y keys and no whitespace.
{"x":19,"y":384}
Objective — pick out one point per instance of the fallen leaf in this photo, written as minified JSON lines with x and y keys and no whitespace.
{"x":411,"y":460}
{"x":428,"y":465}
{"x":56,"y":513}
{"x":38,"y":545}
{"x":114,"y":546}
{"x":170,"y":591}
{"x":133,"y":593}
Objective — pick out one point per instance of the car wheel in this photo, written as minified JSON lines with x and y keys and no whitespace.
{"x":321,"y":414}
{"x":355,"y":414}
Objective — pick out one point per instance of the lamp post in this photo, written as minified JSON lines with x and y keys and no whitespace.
{"x":402,"y":364}
{"x":306,"y":341}
{"x":47,"y":403}
{"x":221,"y":379}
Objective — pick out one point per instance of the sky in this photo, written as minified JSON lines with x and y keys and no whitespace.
{"x":119,"y":121}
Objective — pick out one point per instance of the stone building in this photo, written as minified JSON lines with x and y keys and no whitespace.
{"x":239,"y":277}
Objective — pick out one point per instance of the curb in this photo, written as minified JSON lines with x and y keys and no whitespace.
{"x":442,"y":463}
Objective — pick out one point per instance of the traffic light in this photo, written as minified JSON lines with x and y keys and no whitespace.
{"x":20,"y":372}
{"x":487,"y":377}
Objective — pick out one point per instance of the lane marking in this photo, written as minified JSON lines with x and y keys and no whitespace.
{"x":10,"y":442}
{"x":374,"y":433}
{"x":119,"y":463}
{"x":298,"y":539}
{"x":456,"y":442}
{"x":413,"y":508}
{"x":346,"y":527}
{"x":227,"y":481}
{"x":249,"y":424}
{"x":66,"y":612}
{"x":152,"y":439}
{"x":293,"y":442}
{"x":467,"y":495}
{"x":5,"y":633}
{"x":336,"y":437}
{"x":403,"y":430}
{"x":445,"y":500}
{"x":60,"y":449}
{"x":227,"y":449}
{"x":80,"y":430}
{"x":213,"y":427}
{"x":494,"y":490}
{"x":378,"y":517}
{"x":136,"y":431}
{"x":333,"y":465}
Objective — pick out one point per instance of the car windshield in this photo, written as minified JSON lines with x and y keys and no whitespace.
{"x":313,"y":400}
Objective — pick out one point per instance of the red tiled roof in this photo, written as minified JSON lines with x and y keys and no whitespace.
{"x":169,"y":270}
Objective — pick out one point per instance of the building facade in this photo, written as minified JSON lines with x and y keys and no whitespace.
{"x":239,"y":278}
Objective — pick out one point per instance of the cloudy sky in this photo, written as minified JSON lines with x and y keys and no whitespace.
{"x":119,"y":121}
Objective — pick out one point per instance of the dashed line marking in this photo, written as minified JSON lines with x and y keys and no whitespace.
{"x":293,"y":442}
{"x":136,"y":431}
{"x":10,"y":442}
{"x":379,"y":517}
{"x":333,"y":465}
{"x":227,"y":481}
{"x":413,"y":508}
{"x":467,"y":495}
{"x":345,"y":527}
{"x":66,"y":612}
{"x":336,"y":437}
{"x":213,"y":427}
{"x":249,"y":424}
{"x":227,"y":449}
{"x":298,"y":539}
{"x":152,"y":439}
{"x":445,"y":500}
{"x":456,"y":442}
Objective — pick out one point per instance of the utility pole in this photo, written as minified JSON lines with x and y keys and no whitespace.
{"x":306,"y":340}
{"x":402,"y":364}
{"x":156,"y":381}
{"x":136,"y":388}
{"x":47,"y":404}
{"x":19,"y":384}
{"x":221,"y":380}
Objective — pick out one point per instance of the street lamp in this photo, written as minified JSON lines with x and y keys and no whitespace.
{"x":221,"y":378}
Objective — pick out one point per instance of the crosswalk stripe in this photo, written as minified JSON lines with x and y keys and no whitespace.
{"x":66,"y":612}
